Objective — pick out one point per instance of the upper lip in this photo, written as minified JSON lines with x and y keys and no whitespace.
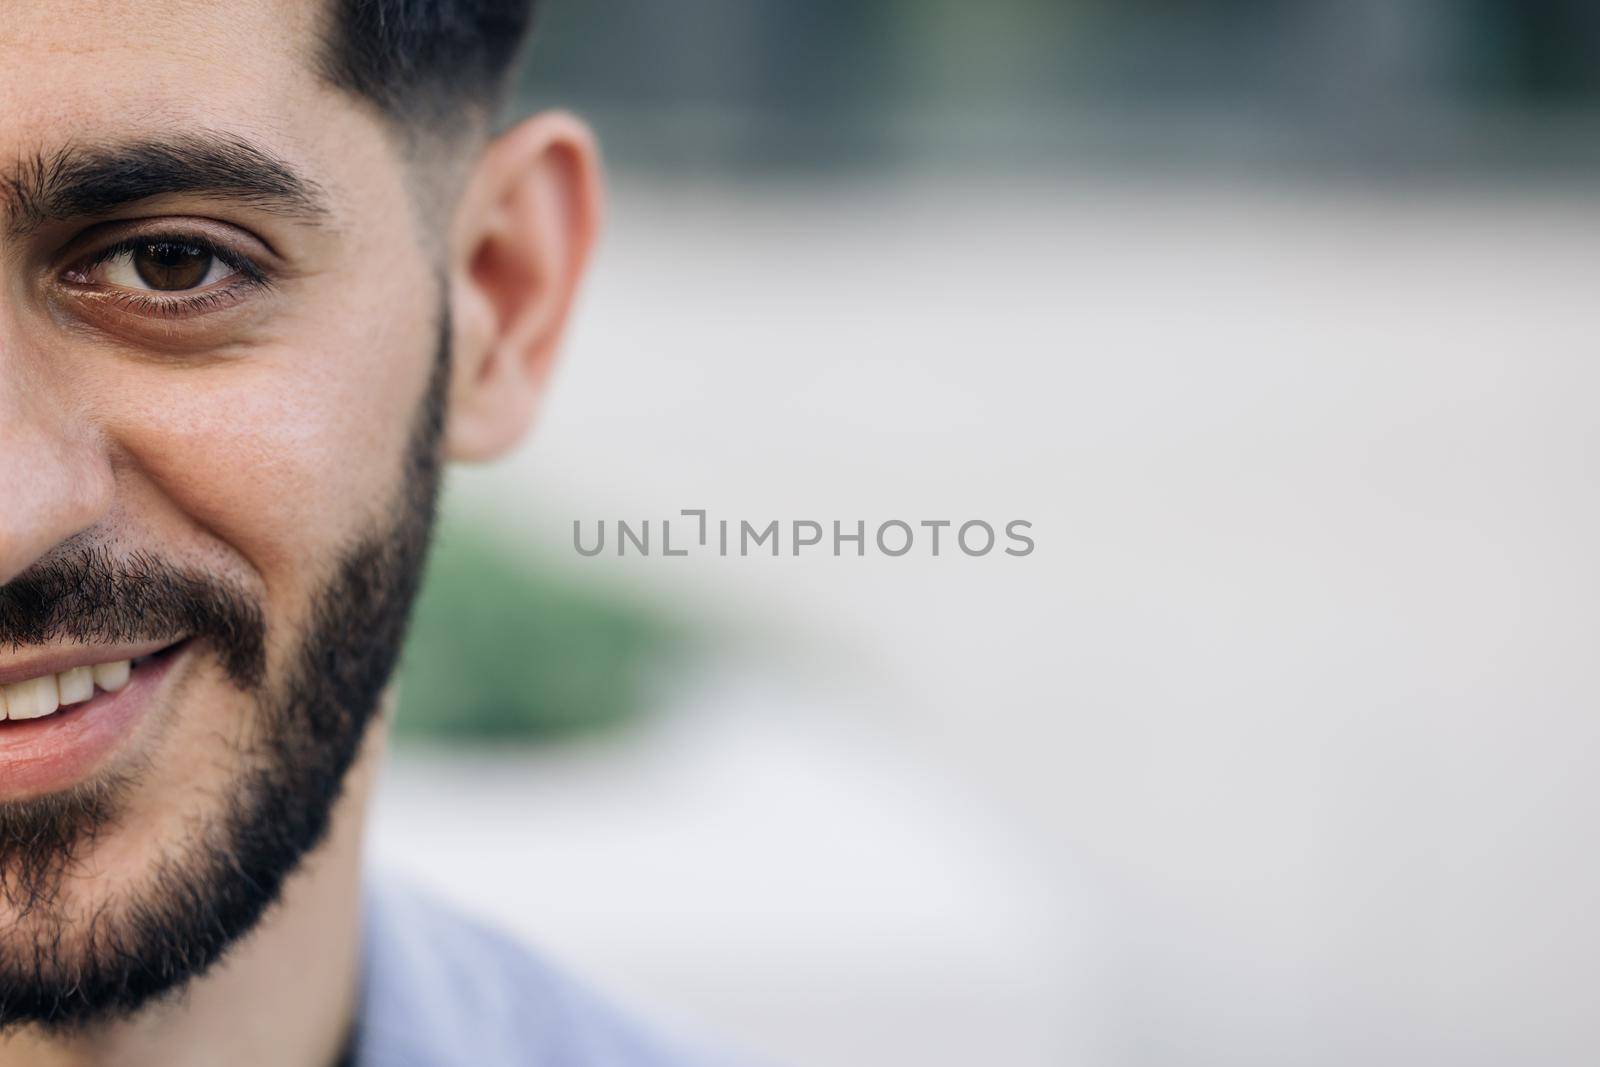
{"x":65,"y":657}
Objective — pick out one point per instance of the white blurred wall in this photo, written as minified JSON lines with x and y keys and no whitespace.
{"x":1295,"y":702}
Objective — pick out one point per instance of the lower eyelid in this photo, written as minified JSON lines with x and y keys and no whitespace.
{"x":146,"y":303}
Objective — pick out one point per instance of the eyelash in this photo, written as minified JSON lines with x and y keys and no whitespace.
{"x":248,"y":276}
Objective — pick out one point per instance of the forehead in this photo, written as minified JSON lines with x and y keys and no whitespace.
{"x":76,"y":72}
{"x":89,"y":59}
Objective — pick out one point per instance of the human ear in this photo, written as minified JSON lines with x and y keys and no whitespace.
{"x":520,"y":242}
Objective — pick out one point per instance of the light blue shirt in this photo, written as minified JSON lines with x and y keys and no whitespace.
{"x":439,"y":989}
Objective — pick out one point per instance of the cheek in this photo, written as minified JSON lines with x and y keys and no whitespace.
{"x":282,"y":455}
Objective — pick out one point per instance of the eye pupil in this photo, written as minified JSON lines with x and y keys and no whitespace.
{"x":170,"y":266}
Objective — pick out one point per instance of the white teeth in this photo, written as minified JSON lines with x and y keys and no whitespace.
{"x":38,"y":697}
{"x":112,"y":676}
{"x":76,"y":685}
{"x":32,"y":699}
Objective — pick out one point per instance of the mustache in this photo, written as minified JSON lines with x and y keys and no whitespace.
{"x":88,"y":595}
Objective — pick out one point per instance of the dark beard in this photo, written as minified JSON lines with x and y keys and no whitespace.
{"x":181,"y":918}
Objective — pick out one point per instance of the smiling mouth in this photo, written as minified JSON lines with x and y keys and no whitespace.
{"x":56,"y":694}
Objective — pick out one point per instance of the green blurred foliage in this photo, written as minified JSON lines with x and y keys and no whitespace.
{"x":751,"y":87}
{"x":835,"y":57}
{"x":502,"y":648}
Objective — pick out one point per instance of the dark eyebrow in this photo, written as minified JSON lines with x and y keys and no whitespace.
{"x":85,"y":181}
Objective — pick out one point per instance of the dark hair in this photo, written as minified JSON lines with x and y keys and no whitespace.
{"x":426,"y":62}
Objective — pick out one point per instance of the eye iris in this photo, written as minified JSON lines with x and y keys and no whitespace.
{"x":169,"y":267}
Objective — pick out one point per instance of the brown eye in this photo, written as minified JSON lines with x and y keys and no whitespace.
{"x":168,"y":266}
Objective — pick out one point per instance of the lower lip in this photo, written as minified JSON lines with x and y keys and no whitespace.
{"x":44,"y":755}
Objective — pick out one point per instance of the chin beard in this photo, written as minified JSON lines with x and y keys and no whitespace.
{"x":63,"y":969}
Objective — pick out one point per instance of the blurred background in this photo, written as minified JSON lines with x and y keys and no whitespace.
{"x":1272,"y":316}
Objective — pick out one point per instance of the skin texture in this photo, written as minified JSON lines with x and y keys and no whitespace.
{"x":255,"y":439}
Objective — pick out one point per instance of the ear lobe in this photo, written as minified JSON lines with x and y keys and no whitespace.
{"x":524,"y":231}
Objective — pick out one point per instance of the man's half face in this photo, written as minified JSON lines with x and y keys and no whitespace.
{"x":221,"y":384}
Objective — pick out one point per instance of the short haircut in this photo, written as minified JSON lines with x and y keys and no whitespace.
{"x":427,"y":64}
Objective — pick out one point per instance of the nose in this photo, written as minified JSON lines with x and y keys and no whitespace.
{"x":55,"y":478}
